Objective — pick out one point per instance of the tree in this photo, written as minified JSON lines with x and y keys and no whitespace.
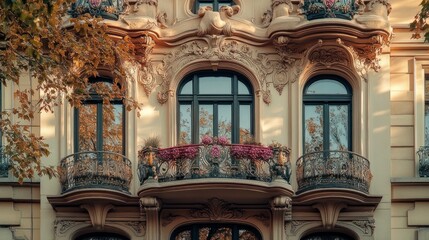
{"x":420,"y":24}
{"x":36,"y":40}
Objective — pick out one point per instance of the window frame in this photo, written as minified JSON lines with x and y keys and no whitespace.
{"x":426,"y":103}
{"x":235,"y":100}
{"x":195,"y":227}
{"x":95,"y":99}
{"x":327,"y":100}
{"x":215,"y":4}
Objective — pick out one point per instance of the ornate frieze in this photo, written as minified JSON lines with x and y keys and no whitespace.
{"x":217,"y":209}
{"x":345,"y":9}
{"x":62,"y":226}
{"x":138,"y":227}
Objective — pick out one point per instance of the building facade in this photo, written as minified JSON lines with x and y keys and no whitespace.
{"x":277,"y":119}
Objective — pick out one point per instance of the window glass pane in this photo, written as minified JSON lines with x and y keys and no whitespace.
{"x":326,"y":86}
{"x":244,"y":234}
{"x":187,"y":88}
{"x":338,"y":127}
{"x":87,"y":128}
{"x":313,"y":128}
{"x":205,"y":5}
{"x":224,"y":121}
{"x":243,"y":89}
{"x":185,"y":126}
{"x":205,"y":120}
{"x":245,"y":124}
{"x":185,"y":235}
{"x":223,"y":233}
{"x":215,"y":85}
{"x":112,"y":128}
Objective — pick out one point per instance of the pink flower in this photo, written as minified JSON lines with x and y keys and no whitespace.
{"x":222,"y":140}
{"x":215,"y":151}
{"x":206,"y":140}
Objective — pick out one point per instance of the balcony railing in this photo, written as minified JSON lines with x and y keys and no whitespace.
{"x":107,"y":9}
{"x":4,"y":164}
{"x":333,"y":169}
{"x":234,"y":161}
{"x":423,"y":154}
{"x":95,"y":170}
{"x":316,"y":9}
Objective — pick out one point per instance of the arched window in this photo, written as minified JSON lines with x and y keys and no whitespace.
{"x":214,"y":4}
{"x":327,"y":114}
{"x":215,"y":104}
{"x":216,"y":232}
{"x":102,"y":236}
{"x":99,"y":126}
{"x":327,"y":236}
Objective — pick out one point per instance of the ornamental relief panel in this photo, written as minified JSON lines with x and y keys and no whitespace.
{"x":268,"y":68}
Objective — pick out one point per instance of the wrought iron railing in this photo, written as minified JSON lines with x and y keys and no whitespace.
{"x":423,"y":154}
{"x":345,"y":9}
{"x":4,"y":164}
{"x":333,"y":169}
{"x":235,"y":161}
{"x":107,"y":9}
{"x":95,"y":170}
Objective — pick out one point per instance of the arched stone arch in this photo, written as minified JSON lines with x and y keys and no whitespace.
{"x":299,"y":229}
{"x":70,"y":230}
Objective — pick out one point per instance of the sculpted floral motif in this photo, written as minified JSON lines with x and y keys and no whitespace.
{"x":295,"y":225}
{"x":61,"y":226}
{"x":138,"y":227}
{"x":217,"y":209}
{"x":216,"y":23}
{"x":367,"y":226}
{"x":329,"y":56}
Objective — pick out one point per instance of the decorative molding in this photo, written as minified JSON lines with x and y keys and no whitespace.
{"x":216,"y":49}
{"x":143,"y":46}
{"x":62,"y":226}
{"x":216,"y":23}
{"x":217,"y":209}
{"x":386,"y":3}
{"x":367,"y":226}
{"x":169,"y":218}
{"x":139,"y":227}
{"x":295,"y":225}
{"x":98,"y":213}
{"x":329,"y":56}
{"x":329,"y":212}
{"x":262,"y":217}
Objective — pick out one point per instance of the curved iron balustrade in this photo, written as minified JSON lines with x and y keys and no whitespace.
{"x":205,"y":162}
{"x":4,"y":163}
{"x":95,"y":170}
{"x":333,"y":169}
{"x":107,"y":9}
{"x":316,"y":9}
{"x":423,"y":154}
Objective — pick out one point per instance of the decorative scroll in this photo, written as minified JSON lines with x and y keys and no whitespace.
{"x":62,"y":226}
{"x":217,"y":209}
{"x":367,"y":226}
{"x":138,"y":227}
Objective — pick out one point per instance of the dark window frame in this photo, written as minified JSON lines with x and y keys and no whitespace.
{"x":426,"y":94}
{"x":327,"y":100}
{"x":215,"y":4}
{"x":194,"y":228}
{"x":95,"y":99}
{"x":234,"y":99}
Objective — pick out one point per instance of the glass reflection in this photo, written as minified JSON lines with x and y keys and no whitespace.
{"x":112,"y":128}
{"x":185,"y":126}
{"x":245,"y":121}
{"x":338,"y":123}
{"x":88,"y":127}
{"x":313,"y":128}
{"x":224,"y":121}
{"x":205,"y":120}
{"x":215,"y":85}
{"x":326,"y":86}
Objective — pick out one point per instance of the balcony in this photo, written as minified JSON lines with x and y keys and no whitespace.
{"x":333,"y":169}
{"x":107,"y":9}
{"x":423,"y":154}
{"x":234,"y":161}
{"x":85,"y":170}
{"x":317,"y":9}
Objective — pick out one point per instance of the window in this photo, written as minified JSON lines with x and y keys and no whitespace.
{"x":99,"y":126}
{"x":327,"y":236}
{"x":102,"y":236}
{"x":216,"y":232}
{"x":427,"y":110}
{"x":215,"y":104}
{"x":327,"y":114}
{"x":215,"y":4}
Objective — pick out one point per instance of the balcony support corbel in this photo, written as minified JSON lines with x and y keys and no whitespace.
{"x":329,"y":212}
{"x":98,"y":213}
{"x":281,"y":207}
{"x":151,"y":207}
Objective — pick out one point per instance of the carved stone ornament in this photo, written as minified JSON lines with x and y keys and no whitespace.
{"x":329,"y":56}
{"x":217,"y":209}
{"x":263,"y":218}
{"x":367,"y":226}
{"x":295,"y":225}
{"x":143,"y":46}
{"x":329,"y":212}
{"x":61,"y":226}
{"x":143,"y":15}
{"x":386,"y":3}
{"x":138,"y":227}
{"x":216,"y":50}
{"x":216,"y":23}
{"x":169,"y":218}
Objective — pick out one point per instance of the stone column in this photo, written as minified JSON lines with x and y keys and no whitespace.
{"x":281,"y":208}
{"x":151,"y":207}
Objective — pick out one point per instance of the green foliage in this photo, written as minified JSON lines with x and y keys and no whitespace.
{"x":58,"y":54}
{"x":420,"y":24}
